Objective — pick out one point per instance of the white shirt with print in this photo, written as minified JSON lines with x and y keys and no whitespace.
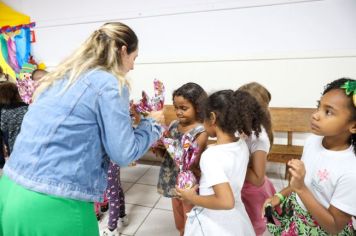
{"x":330,"y":175}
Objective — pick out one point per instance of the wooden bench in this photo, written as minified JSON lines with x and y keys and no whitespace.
{"x":290,"y":121}
{"x":284,"y":120}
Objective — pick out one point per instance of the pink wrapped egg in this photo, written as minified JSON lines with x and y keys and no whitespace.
{"x":186,"y":179}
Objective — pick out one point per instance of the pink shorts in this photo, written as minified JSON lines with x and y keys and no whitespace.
{"x":253,"y":197}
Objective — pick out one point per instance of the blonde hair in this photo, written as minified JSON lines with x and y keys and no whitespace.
{"x":263,"y":97}
{"x":261,"y":94}
{"x":100,"y":51}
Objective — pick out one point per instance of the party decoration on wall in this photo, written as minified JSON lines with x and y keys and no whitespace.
{"x":15,"y":42}
{"x":16,"y":60}
{"x":10,"y":17}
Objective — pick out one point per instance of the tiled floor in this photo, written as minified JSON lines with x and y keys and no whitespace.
{"x":150,"y":213}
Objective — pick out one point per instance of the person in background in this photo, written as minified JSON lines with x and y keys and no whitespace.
{"x":257,"y":187}
{"x":12,"y":112}
{"x":78,"y":122}
{"x":38,"y":74}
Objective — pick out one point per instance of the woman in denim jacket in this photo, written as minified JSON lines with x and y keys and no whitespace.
{"x":79,"y":119}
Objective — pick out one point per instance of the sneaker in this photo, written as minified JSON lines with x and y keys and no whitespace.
{"x":108,"y":232}
{"x":124,"y":221}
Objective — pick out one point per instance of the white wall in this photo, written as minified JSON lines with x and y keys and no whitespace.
{"x":292,"y":47}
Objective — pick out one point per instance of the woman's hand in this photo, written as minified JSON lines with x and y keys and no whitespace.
{"x":187,"y":194}
{"x":297,"y":171}
{"x":158,"y":116}
{"x":134,"y":114}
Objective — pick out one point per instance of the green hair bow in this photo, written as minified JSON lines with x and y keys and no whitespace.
{"x":350,"y":87}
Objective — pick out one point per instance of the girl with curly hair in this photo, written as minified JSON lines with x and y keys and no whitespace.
{"x":218,"y":207}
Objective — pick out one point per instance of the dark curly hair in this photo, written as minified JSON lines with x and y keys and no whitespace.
{"x":236,"y":111}
{"x":263,"y":97}
{"x":9,"y":93}
{"x":196,"y":95}
{"x":336,"y":84}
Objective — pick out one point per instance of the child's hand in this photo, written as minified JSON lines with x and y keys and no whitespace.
{"x":297,"y":171}
{"x":271,"y":201}
{"x":187,"y":194}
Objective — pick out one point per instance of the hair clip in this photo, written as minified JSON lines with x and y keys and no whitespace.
{"x":350,"y":87}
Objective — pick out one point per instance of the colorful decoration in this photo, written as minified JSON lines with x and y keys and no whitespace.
{"x":26,"y":88}
{"x":184,"y":154}
{"x":147,"y":104}
{"x":11,"y":17}
{"x":156,"y":103}
{"x":15,"y":41}
{"x":350,"y":87}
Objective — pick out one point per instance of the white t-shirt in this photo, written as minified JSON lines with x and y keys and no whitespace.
{"x":258,"y":144}
{"x":330,"y":175}
{"x":224,"y":163}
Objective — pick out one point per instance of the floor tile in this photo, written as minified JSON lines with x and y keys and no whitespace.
{"x":126,"y":186}
{"x":164,"y":203}
{"x":158,"y":223}
{"x":133,"y":173}
{"x":143,"y":195}
{"x":150,"y":177}
{"x":137,"y":214}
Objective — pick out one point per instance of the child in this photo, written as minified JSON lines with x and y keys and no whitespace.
{"x":12,"y":111}
{"x":115,"y":194}
{"x":219,"y":209}
{"x":320,"y":198}
{"x":257,"y":187}
{"x":187,"y":101}
{"x":116,"y":197}
{"x":38,"y":74}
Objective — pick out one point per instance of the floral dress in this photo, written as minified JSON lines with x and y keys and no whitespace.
{"x":295,"y":221}
{"x":169,"y":170}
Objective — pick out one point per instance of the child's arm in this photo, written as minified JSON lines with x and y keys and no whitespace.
{"x":330,"y":219}
{"x":256,"y":172}
{"x":222,"y":199}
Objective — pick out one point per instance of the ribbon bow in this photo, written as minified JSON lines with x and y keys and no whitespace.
{"x":350,"y":87}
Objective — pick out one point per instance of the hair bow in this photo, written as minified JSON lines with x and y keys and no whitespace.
{"x":350,"y":87}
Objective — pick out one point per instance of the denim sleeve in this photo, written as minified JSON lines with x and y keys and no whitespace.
{"x":121,"y":142}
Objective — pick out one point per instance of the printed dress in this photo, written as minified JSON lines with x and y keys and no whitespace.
{"x":295,"y":221}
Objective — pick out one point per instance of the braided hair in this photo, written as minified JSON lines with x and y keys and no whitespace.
{"x":337,"y":84}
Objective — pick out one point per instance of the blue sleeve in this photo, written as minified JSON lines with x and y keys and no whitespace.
{"x":121,"y":142}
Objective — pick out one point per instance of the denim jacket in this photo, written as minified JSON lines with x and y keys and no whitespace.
{"x":66,"y":138}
